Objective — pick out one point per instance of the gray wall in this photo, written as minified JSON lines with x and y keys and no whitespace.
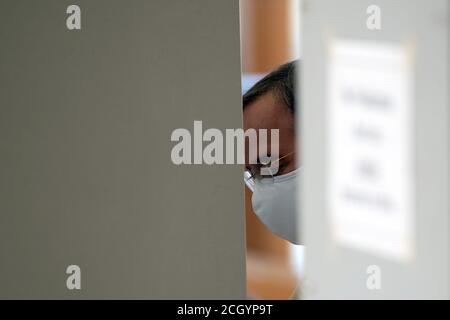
{"x":86,"y":176}
{"x":334,"y":271}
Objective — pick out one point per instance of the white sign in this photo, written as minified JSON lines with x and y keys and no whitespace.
{"x":370,"y":148}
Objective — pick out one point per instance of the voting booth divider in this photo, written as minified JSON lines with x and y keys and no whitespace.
{"x":92,"y":206}
{"x":374,"y":131}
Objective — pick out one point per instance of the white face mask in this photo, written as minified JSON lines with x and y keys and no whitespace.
{"x":275,"y":204}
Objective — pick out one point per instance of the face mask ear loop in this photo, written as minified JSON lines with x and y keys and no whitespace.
{"x":278,"y":160}
{"x":286,"y":155}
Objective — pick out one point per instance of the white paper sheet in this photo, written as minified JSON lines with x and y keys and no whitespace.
{"x":370,"y":148}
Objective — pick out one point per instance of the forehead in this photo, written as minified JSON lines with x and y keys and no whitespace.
{"x":267,"y":112}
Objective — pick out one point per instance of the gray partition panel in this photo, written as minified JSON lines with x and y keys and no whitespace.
{"x":340,"y":266}
{"x":86,"y":176}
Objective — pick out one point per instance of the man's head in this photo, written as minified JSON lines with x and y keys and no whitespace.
{"x":271,"y":104}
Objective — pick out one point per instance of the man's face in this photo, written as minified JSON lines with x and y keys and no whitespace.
{"x":267,"y":112}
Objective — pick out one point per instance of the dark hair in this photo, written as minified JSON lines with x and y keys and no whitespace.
{"x":281,"y":82}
